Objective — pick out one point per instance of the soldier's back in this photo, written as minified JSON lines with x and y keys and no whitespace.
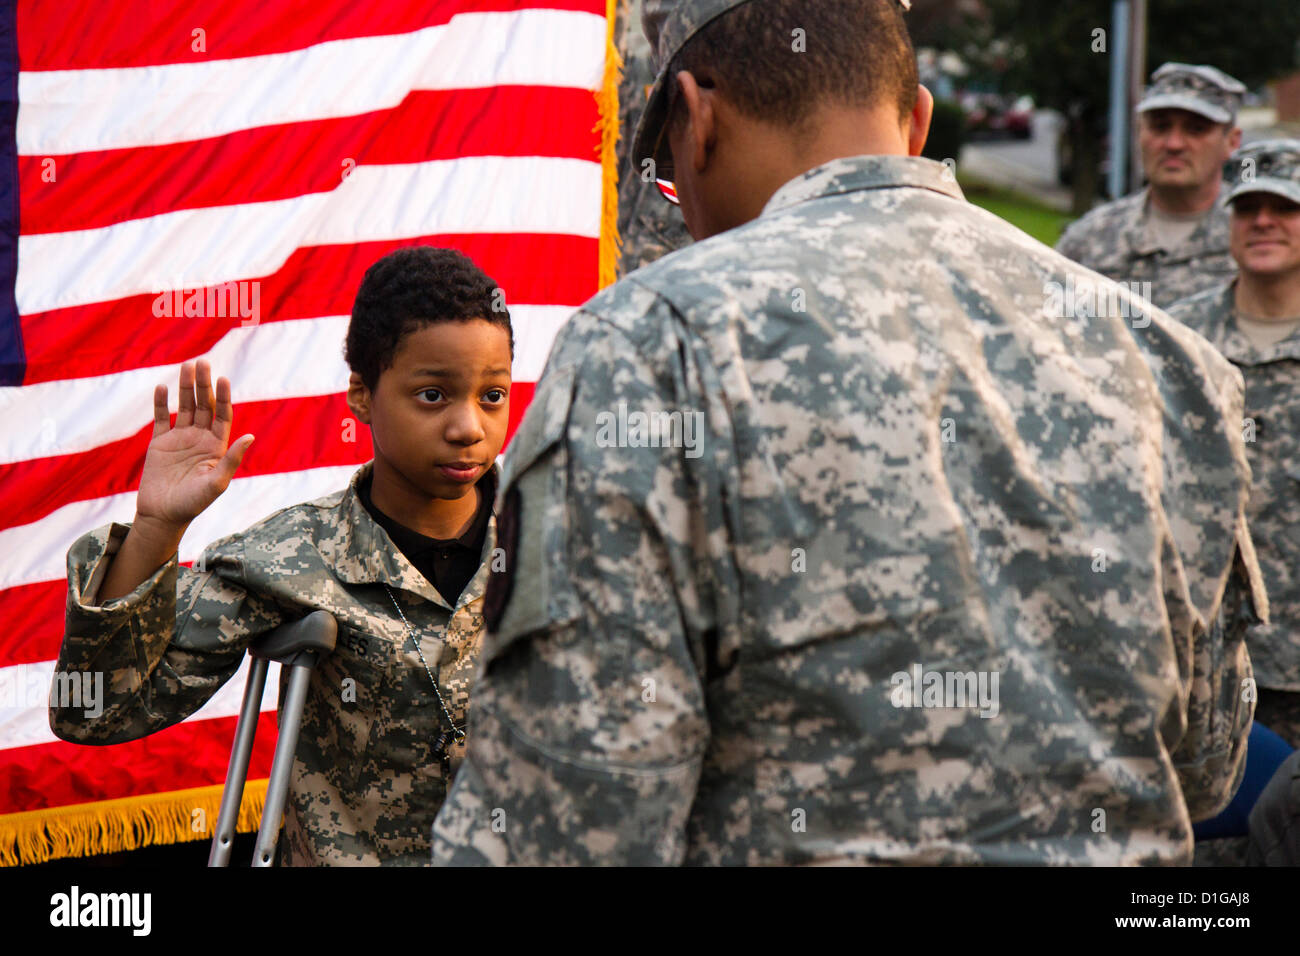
{"x":962,"y":530}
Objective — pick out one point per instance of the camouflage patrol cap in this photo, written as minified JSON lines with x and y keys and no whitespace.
{"x":1201,"y":89}
{"x":668,"y":24}
{"x":1269,"y":166}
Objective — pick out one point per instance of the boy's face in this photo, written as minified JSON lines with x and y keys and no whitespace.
{"x":438,"y":416}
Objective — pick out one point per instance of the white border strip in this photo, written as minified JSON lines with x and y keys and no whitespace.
{"x":195,"y":248}
{"x":25,"y":693}
{"x":38,"y":551}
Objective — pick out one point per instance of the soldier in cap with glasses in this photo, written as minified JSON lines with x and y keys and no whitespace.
{"x":1254,"y":320}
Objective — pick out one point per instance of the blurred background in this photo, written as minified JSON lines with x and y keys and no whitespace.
{"x":1023,"y":98}
{"x":1023,"y":88}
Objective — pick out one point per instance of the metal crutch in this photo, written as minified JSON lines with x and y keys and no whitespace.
{"x":298,"y":646}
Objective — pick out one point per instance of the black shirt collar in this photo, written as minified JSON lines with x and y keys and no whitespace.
{"x":412,"y":543}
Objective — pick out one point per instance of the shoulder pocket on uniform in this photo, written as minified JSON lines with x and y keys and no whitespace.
{"x":533,"y":590}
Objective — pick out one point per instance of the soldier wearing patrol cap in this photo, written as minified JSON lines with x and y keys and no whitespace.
{"x":1172,"y":234}
{"x":826,"y":541}
{"x":1254,"y":320}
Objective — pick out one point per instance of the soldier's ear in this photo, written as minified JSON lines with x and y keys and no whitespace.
{"x":1234,"y":139}
{"x":359,"y":398}
{"x":918,"y":127}
{"x":698,"y":102}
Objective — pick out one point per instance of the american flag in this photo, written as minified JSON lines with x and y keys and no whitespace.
{"x":186,"y":178}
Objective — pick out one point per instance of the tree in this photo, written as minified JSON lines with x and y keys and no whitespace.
{"x":1060,"y":54}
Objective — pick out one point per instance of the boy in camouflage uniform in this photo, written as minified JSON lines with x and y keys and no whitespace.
{"x":407,"y":541}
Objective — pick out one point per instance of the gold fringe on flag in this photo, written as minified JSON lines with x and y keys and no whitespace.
{"x":109,"y":826}
{"x":607,"y":104}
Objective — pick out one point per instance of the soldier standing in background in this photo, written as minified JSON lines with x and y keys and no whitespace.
{"x":1172,"y":234}
{"x":825,"y":541}
{"x":648,"y":226}
{"x":1254,"y":320}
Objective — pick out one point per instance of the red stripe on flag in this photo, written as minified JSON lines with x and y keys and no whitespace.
{"x":521,"y":396}
{"x":292,"y":434}
{"x":33,"y":622}
{"x":82,"y":34}
{"x":109,"y":337}
{"x":178,"y":758}
{"x":92,"y":190}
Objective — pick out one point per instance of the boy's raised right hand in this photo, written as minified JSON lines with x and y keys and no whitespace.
{"x":188,"y":465}
{"x":186,"y":468}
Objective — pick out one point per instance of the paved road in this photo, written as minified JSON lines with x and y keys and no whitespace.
{"x":1029,"y":166}
{"x":1026,"y":165}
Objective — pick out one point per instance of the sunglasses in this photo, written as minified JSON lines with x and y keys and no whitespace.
{"x":664,"y":166}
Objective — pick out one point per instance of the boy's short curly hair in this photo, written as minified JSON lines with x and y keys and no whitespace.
{"x":409,"y":289}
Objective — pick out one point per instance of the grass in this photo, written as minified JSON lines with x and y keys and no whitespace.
{"x":1040,"y":221}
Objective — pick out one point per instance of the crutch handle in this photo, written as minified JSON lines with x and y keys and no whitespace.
{"x":316,"y":633}
{"x":298,"y":645}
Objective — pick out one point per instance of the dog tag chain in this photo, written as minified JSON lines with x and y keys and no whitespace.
{"x":444,"y":740}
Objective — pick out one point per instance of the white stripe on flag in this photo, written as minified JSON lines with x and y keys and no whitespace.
{"x":535,"y":331}
{"x":194,"y":248}
{"x":278,"y":360}
{"x":25,"y":696}
{"x":292,"y":359}
{"x":37,"y":552}
{"x":73,"y":111}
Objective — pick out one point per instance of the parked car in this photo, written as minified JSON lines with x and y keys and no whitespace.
{"x":992,"y":115}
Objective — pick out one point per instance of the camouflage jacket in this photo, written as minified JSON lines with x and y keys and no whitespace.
{"x":1271,"y":429}
{"x":716,"y":635}
{"x":1114,"y":240}
{"x":364,"y":787}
